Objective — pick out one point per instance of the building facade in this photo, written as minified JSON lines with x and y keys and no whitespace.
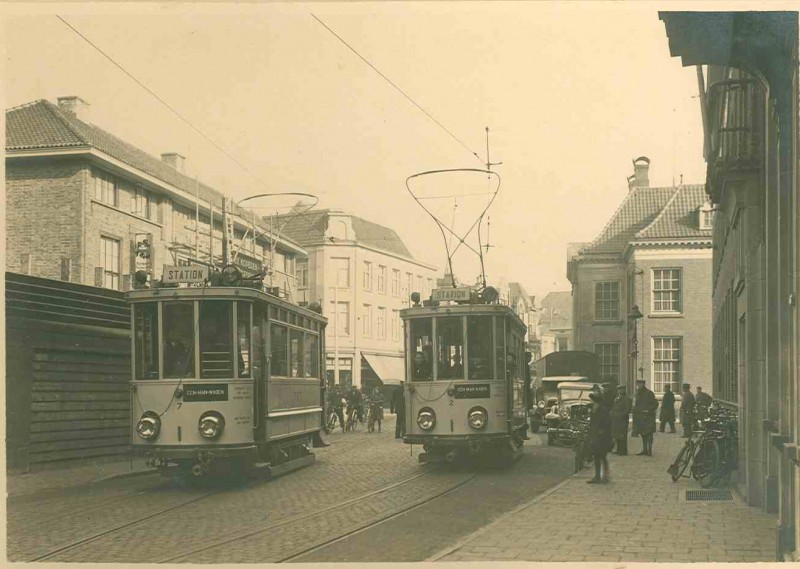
{"x":86,"y":207}
{"x":524,"y":305}
{"x":363,"y":275}
{"x":555,"y":322}
{"x":641,"y":290}
{"x":749,"y":96}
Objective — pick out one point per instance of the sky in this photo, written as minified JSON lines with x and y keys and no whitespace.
{"x":571,"y":93}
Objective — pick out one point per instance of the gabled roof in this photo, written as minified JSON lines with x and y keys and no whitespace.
{"x":41,"y":125}
{"x":309,"y":229}
{"x":639,"y":208}
{"x":679,"y":217}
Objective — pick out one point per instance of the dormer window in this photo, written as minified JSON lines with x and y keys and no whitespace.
{"x":706,"y":216}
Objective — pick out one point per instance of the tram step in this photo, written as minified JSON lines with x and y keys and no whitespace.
{"x":286,"y":466}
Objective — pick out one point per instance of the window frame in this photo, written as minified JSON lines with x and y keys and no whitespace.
{"x":658,"y":389}
{"x":678,"y":291}
{"x":101,"y":191}
{"x":598,"y":306}
{"x":380,"y":323}
{"x":366,"y":323}
{"x":603,"y":365}
{"x":382,"y":279}
{"x":366,"y":280}
{"x":395,"y":282}
{"x":115,"y":241}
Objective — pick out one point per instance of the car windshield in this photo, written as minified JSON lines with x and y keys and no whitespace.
{"x":575,"y":394}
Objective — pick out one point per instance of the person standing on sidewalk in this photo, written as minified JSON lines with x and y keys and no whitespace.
{"x":644,"y":416}
{"x":398,"y":407}
{"x":598,"y":438}
{"x":667,"y":414}
{"x":620,"y":415}
{"x":702,"y":401}
{"x":687,"y":410}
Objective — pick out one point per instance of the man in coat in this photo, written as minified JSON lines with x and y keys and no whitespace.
{"x":687,"y":410}
{"x":667,"y":414}
{"x":398,"y":407}
{"x":644,"y":416}
{"x":702,"y":401}
{"x":620,"y":414}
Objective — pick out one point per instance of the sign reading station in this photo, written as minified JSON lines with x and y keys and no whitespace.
{"x":205,"y":392}
{"x":472,"y":391}
{"x":185,"y":274}
{"x":461,"y":293}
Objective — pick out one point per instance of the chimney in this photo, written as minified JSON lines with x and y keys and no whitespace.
{"x":75,"y":106}
{"x":641,"y":166}
{"x":174,"y":159}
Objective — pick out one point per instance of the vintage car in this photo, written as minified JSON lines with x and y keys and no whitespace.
{"x":545,"y":397}
{"x":569,"y":416}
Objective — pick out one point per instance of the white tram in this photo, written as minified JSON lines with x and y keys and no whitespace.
{"x":224,"y":376}
{"x":465,"y":369}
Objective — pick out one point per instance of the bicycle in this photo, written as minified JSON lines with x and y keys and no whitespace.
{"x":352,"y":419}
{"x":370,"y":419}
{"x":711,"y":451}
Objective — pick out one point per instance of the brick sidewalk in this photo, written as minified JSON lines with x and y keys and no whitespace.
{"x":641,"y":515}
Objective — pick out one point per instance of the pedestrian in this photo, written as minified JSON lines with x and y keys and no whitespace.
{"x":376,"y":403}
{"x":667,"y":414}
{"x":644,"y":416}
{"x":335,"y":403}
{"x":687,"y":410}
{"x":398,"y":407}
{"x":702,"y":401}
{"x":598,"y":437}
{"x":609,"y":394}
{"x":620,"y":416}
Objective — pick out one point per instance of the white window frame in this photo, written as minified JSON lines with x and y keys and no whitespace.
{"x":678,"y":299}
{"x":657,"y":382}
{"x":366,"y":320}
{"x":367,"y":277}
{"x":395,"y":282}
{"x":103,"y":184}
{"x":381,"y":323}
{"x":409,"y":284}
{"x":111,"y":277}
{"x":597,"y":302}
{"x":381,"y":279}
{"x":395,"y":324}
{"x":603,"y":364}
{"x":343,"y":323}
{"x":142,"y":203}
{"x":341,"y":268}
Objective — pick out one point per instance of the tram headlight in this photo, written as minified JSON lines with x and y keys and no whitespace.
{"x":477,"y":417}
{"x":148,"y":426}
{"x":211,"y":424}
{"x":426,"y":419}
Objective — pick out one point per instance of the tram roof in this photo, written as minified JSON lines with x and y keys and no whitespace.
{"x":217,"y":293}
{"x":458,"y":310}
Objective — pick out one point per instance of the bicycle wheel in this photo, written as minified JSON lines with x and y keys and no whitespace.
{"x":707,"y":463}
{"x":682,"y":461}
{"x":332,"y":418}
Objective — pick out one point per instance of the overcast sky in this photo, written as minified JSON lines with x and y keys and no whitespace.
{"x":572,"y":94}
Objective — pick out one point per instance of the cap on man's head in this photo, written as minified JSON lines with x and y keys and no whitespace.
{"x":596,"y":397}
{"x":687,"y":386}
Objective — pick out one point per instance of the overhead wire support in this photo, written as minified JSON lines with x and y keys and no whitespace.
{"x":398,"y":89}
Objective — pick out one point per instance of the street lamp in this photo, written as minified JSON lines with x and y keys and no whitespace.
{"x":633,"y":316}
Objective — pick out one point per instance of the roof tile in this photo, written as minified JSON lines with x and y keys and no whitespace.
{"x":679,"y":217}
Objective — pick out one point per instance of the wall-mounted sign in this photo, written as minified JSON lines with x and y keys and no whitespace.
{"x":185,"y":274}
{"x":442,"y":294}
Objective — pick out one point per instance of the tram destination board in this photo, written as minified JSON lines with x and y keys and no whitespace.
{"x":185,"y":274}
{"x":205,"y":392}
{"x":455,"y":294}
{"x":472,"y":391}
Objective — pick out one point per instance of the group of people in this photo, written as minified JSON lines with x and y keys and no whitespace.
{"x":610,"y":414}
{"x":357,"y":401}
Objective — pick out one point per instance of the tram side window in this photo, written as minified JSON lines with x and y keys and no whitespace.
{"x":421,"y":346}
{"x":243,"y":338}
{"x":259,"y":321}
{"x":479,"y":347}
{"x":311,"y":364}
{"x":450,"y":345}
{"x":216,"y":337}
{"x":178,"y":325}
{"x":500,"y":347}
{"x":279,"y":358}
{"x":146,"y":333}
{"x":296,"y":352}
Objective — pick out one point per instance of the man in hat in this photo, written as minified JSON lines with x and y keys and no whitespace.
{"x":398,"y":407}
{"x":644,"y":416}
{"x":667,"y":414}
{"x":702,"y":401}
{"x":609,"y":394}
{"x":687,"y":410}
{"x":620,"y":414}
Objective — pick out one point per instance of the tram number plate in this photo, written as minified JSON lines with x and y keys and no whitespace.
{"x":206,"y":392}
{"x":471,"y":391}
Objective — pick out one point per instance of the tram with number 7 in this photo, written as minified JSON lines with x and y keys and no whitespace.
{"x":465,"y":389}
{"x":224,"y":377}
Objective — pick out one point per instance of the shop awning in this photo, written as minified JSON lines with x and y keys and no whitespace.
{"x":389,"y":369}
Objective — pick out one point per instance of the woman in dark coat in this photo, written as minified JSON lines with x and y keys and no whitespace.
{"x":620,"y":416}
{"x":598,"y":438}
{"x":644,"y":416}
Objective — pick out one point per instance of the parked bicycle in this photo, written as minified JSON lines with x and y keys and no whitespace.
{"x":711,"y":452}
{"x":352,"y":418}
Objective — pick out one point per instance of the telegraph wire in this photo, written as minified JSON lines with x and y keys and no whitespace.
{"x":162,"y":101}
{"x":413,"y":102}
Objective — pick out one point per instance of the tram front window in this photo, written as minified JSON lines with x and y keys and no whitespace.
{"x":178,"y":325}
{"x":421,"y":346}
{"x":450,"y":343}
{"x":278,"y":355}
{"x":216,"y":337}
{"x":146,"y":334}
{"x":243,"y":337}
{"x":311,"y":367}
{"x":479,"y":347}
{"x":295,"y":352}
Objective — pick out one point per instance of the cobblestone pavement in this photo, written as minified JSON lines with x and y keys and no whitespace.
{"x":640,"y":516}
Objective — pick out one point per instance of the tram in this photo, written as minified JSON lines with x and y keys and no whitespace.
{"x":465,"y":389}
{"x":224,"y":378}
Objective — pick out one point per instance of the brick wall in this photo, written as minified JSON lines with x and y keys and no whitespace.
{"x":43,"y":214}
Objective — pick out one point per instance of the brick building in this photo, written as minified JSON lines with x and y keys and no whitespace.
{"x":363,"y":275}
{"x":80,"y":202}
{"x":750,"y":100}
{"x":653,"y":254}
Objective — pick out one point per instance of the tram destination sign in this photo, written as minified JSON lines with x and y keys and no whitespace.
{"x":174,"y":274}
{"x":205,"y":392}
{"x":479,"y":391}
{"x":461,"y":293}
